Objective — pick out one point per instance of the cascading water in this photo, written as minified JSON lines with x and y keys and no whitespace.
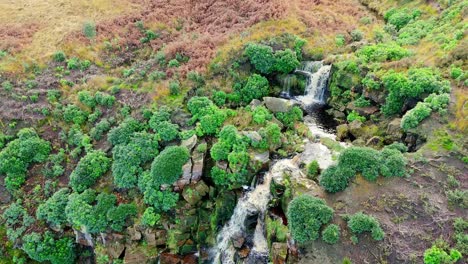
{"x":317,"y":76}
{"x":255,"y":202}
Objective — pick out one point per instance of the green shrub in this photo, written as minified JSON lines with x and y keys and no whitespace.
{"x":210,"y":116}
{"x":174,"y":87}
{"x":382,"y":52}
{"x":89,"y":30}
{"x":167,"y":166}
{"x":99,"y":129}
{"x":401,"y":17}
{"x":366,"y":161}
{"x":438,"y":102}
{"x":331,"y":234}
{"x":157,"y":75}
{"x":122,"y":134}
{"x":128,"y":158}
{"x":59,"y":56}
{"x":313,"y":169}
{"x":414,"y":116}
{"x":53,"y":210}
{"x":360,"y":223}
{"x":455,"y":72}
{"x":261,"y":115}
{"x":149,"y":35}
{"x":167,"y":131}
{"x":458,"y":198}
{"x":286,"y":61}
{"x":362,"y":102}
{"x":340,"y":40}
{"x":19,"y":154}
{"x":336,"y":178}
{"x":290,"y":118}
{"x":271,"y":137}
{"x":219,"y":98}
{"x":73,"y":114}
{"x":196,"y":78}
{"x":150,"y":218}
{"x":436,"y":255}
{"x":104,"y":99}
{"x":162,"y":201}
{"x":306,"y":215}
{"x":261,"y":57}
{"x":88,"y":170}
{"x":117,"y":216}
{"x":173,"y":63}
{"x":86,"y":98}
{"x":357,"y":35}
{"x":414,"y":31}
{"x":7,"y":86}
{"x":355,"y":116}
{"x":256,"y":87}
{"x":45,"y":247}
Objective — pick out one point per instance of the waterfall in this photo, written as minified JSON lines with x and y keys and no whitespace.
{"x":288,"y":82}
{"x":317,"y":76}
{"x":254,"y":203}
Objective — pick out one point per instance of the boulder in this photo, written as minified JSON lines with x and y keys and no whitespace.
{"x":238,"y":241}
{"x":255,"y":103}
{"x":186,"y":176}
{"x":276,"y":105}
{"x":363,"y":111}
{"x":342,"y":132}
{"x":136,"y":255}
{"x":260,"y":160}
{"x":279,"y":252}
{"x":150,"y":237}
{"x":254,"y":136}
{"x":356,"y":129}
{"x":394,"y":131}
{"x":197,"y":168}
{"x":190,"y":142}
{"x":134,"y":234}
{"x":377,"y":96}
{"x":194,"y":193}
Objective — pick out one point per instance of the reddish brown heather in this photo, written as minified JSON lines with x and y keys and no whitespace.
{"x":13,"y":37}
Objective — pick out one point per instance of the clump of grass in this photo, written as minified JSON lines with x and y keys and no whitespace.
{"x":89,"y":30}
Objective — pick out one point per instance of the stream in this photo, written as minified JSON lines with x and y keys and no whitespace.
{"x":254,"y":203}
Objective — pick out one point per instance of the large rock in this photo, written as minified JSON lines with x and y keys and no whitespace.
{"x":254,"y":136}
{"x":194,"y":193}
{"x":374,"y":141}
{"x":190,"y":142}
{"x":255,"y":103}
{"x":134,"y":234}
{"x":168,"y":258}
{"x":84,"y":239}
{"x":276,"y":105}
{"x":394,"y":131}
{"x":342,"y":132}
{"x":260,"y":160}
{"x":198,"y":159}
{"x":356,"y":129}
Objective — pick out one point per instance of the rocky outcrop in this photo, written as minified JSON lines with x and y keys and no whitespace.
{"x":192,"y":171}
{"x":276,"y":105}
{"x":195,"y":192}
{"x":342,"y":132}
{"x":394,"y":131}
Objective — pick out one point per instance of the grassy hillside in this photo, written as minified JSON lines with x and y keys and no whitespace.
{"x":128,"y":129}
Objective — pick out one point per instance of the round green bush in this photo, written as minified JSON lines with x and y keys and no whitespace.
{"x":336,"y":178}
{"x":89,"y":169}
{"x":256,"y":87}
{"x":331,"y":234}
{"x":167,"y":166}
{"x":306,"y":215}
{"x":360,"y":223}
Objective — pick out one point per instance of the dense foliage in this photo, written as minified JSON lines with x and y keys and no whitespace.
{"x":360,"y":223}
{"x":306,"y":214}
{"x":90,"y":168}
{"x":368,"y":162}
{"x":167,"y":166}
{"x":46,"y":248}
{"x":19,"y":154}
{"x":331,"y":234}
{"x":53,"y":210}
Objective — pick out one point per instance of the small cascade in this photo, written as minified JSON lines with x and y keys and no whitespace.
{"x":317,"y":76}
{"x":288,"y":82}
